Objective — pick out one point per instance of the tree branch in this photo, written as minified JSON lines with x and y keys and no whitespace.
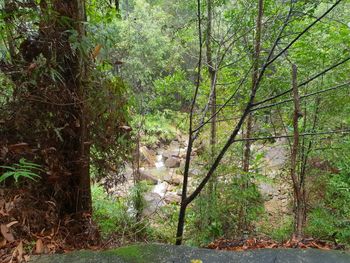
{"x":301,"y":97}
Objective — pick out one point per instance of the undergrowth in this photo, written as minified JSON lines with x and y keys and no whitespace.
{"x":121,"y":218}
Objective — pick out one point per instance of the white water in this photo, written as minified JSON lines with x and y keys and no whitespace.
{"x":159,"y":161}
{"x":160,"y":189}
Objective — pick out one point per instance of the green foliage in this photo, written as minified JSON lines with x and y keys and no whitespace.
{"x":281,"y":231}
{"x":121,"y":217}
{"x":108,"y":106}
{"x":321,"y":223}
{"x":23,"y":169}
{"x":160,"y":127}
{"x":330,"y":220}
{"x":219,"y":214}
{"x":164,"y":232}
{"x":173,"y":92}
{"x":110,"y":214}
{"x":137,"y":200}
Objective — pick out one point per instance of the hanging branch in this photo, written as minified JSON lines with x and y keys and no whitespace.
{"x":306,"y":134}
{"x":305,"y":155}
{"x":305,"y":82}
{"x":303,"y":96}
{"x":302,"y":33}
{"x":203,"y":123}
{"x":240,"y":123}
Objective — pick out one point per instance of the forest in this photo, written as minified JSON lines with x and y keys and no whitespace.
{"x":217,"y":124}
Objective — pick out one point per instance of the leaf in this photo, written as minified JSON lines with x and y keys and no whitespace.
{"x":5,"y":231}
{"x":96,"y":51}
{"x":8,"y":167}
{"x":6,"y":175}
{"x":11,"y":224}
{"x":3,"y":243}
{"x":39,"y":247}
{"x":19,"y":250}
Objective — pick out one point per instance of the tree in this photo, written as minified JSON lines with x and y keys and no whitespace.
{"x":248,"y":108}
{"x":50,"y":87}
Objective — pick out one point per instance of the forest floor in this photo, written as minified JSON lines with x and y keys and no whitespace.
{"x":31,"y":227}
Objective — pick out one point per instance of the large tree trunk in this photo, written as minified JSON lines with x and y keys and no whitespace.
{"x":66,"y":17}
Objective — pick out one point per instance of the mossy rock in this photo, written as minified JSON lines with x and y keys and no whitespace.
{"x":154,"y":253}
{"x":129,"y":254}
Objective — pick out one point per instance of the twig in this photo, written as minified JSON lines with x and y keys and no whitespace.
{"x":291,"y":136}
{"x":302,"y":97}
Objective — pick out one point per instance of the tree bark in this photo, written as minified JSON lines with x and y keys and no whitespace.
{"x":212,"y":75}
{"x":250,"y":119}
{"x":298,"y":195}
{"x":72,"y":67}
{"x":212,"y":71}
{"x":184,"y":201}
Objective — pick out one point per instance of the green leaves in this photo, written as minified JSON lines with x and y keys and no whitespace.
{"x":23,"y":169}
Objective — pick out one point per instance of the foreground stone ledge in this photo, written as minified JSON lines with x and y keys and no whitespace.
{"x":157,"y":253}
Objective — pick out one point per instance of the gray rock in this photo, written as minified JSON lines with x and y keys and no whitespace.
{"x":172,"y":198}
{"x":173,"y":179}
{"x":148,"y":253}
{"x":182,"y":164}
{"x":194,"y":172}
{"x":267,"y":191}
{"x":145,"y":176}
{"x":148,"y":156}
{"x":172,"y":162}
{"x":153,"y":202}
{"x":174,"y":145}
{"x":181,"y":153}
{"x":168,"y":154}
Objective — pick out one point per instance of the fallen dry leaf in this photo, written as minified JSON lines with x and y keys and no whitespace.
{"x":5,"y":231}
{"x":39,"y":247}
{"x":3,"y":243}
{"x":11,"y":224}
{"x":19,"y":249}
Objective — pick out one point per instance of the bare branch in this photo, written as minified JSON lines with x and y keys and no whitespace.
{"x":303,"y":32}
{"x":305,"y":82}
{"x":302,"y":97}
{"x":291,"y":136}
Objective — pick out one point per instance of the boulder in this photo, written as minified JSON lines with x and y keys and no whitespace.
{"x":147,"y":156}
{"x":172,"y":198}
{"x":153,"y":202}
{"x":174,"y":145}
{"x":145,"y":176}
{"x":173,"y":179}
{"x":182,"y":164}
{"x":194,"y":172}
{"x":267,"y":191}
{"x":181,"y":153}
{"x":172,"y":162}
{"x":161,"y":253}
{"x":168,"y":154}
